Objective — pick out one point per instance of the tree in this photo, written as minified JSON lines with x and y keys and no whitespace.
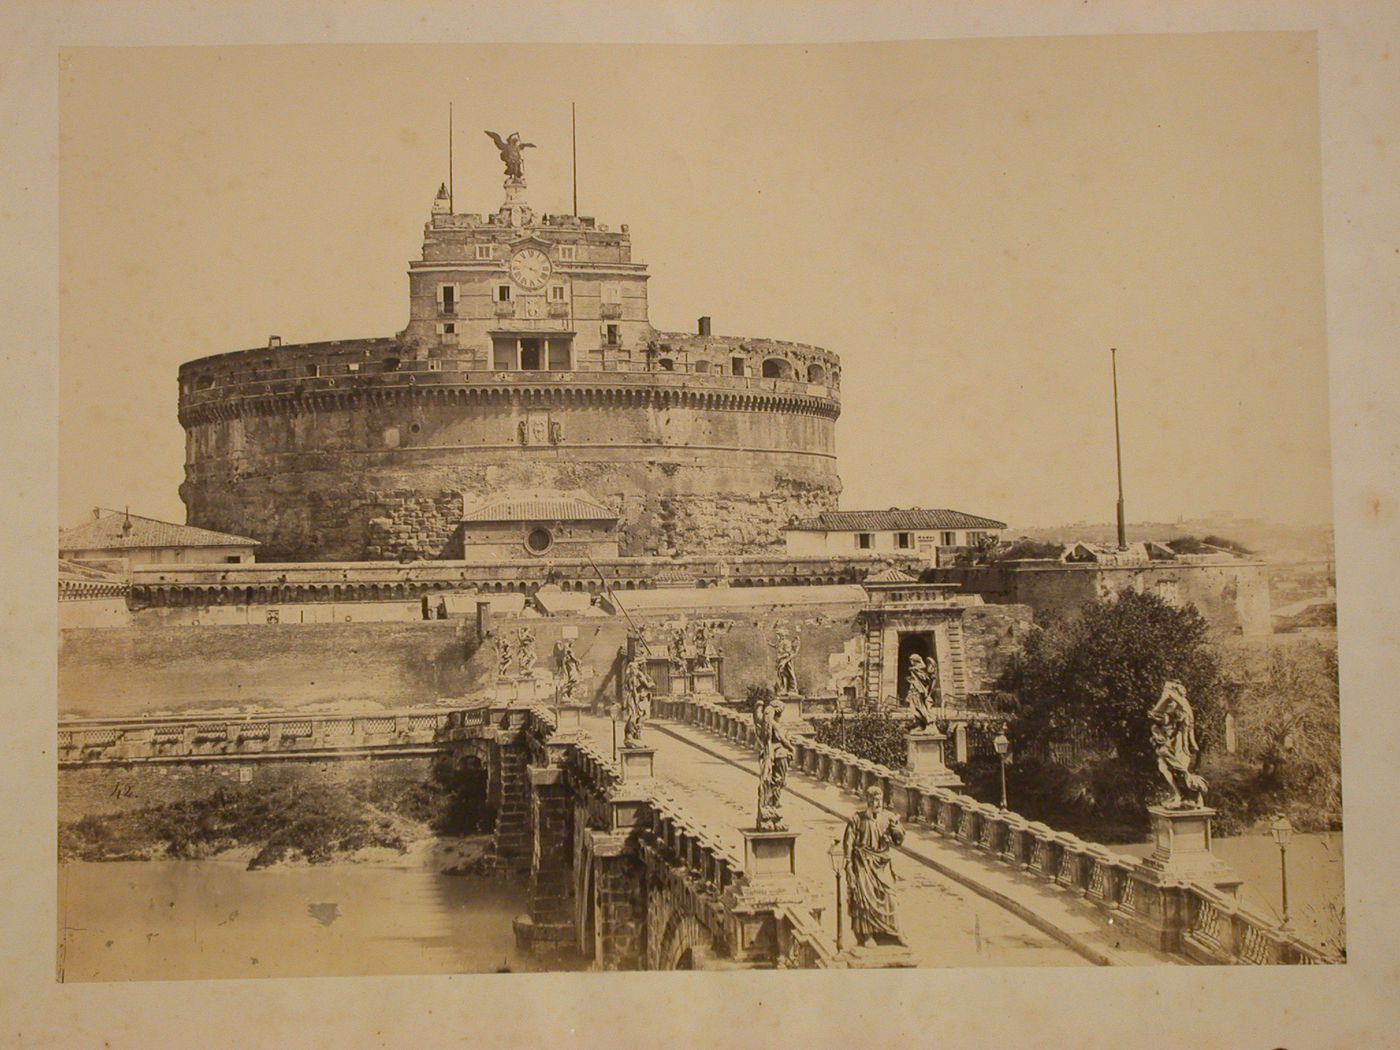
{"x":1084,"y":687}
{"x":1288,"y":723}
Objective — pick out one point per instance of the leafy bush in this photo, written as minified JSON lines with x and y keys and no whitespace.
{"x":871,"y":735}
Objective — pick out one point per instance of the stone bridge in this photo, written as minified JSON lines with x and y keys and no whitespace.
{"x":643,"y":863}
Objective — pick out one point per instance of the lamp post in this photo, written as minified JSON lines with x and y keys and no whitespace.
{"x":837,"y":856}
{"x":1003,"y":746}
{"x":1282,"y":831}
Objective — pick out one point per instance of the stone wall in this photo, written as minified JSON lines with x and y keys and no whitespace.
{"x":106,"y":672}
{"x":1233,"y":596}
{"x":378,"y":466}
{"x":992,"y":634}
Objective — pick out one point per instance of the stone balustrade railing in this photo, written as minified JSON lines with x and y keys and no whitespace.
{"x":1216,"y":929}
{"x":245,"y":737}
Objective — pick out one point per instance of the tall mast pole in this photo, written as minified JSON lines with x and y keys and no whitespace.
{"x":573,"y":120}
{"x":449,"y":159}
{"x":1118,"y":450}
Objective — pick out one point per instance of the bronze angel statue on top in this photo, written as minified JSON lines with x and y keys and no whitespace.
{"x":510,"y":148}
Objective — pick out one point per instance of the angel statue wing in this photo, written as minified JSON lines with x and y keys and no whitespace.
{"x":500,"y":142}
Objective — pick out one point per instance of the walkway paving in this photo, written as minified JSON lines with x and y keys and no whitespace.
{"x":956,"y":908}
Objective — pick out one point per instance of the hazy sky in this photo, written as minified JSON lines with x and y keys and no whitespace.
{"x":969,"y":224}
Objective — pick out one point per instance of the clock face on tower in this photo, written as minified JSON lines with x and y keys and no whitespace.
{"x":530,"y":268}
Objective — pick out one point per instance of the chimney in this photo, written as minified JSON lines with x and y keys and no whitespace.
{"x":96,"y":513}
{"x":274,"y":341}
{"x":704,"y":326}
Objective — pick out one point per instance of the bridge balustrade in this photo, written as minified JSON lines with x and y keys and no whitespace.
{"x":1215,"y":928}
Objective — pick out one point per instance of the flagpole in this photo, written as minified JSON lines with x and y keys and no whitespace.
{"x":449,"y":159}
{"x":573,"y":120}
{"x":1118,"y":451}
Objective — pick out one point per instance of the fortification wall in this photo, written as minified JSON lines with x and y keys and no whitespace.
{"x":375,"y":463}
{"x":116,"y":671}
{"x":1233,"y":596}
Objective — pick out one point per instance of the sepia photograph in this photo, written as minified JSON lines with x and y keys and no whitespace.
{"x":887,"y":526}
{"x":814,"y":525}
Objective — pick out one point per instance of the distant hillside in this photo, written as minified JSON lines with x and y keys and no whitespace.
{"x":1272,"y":542}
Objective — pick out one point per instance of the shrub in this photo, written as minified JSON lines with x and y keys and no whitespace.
{"x":871,"y":735}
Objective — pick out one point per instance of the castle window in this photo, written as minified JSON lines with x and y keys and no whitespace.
{"x":865,"y":540}
{"x":614,"y":335}
{"x":948,"y":539}
{"x":612,"y":294}
{"x":736,"y":366}
{"x":560,"y":354}
{"x":484,"y":251}
{"x":816,"y":373}
{"x":502,"y":293}
{"x":556,"y":293}
{"x":903,"y":540}
{"x":448,"y":333}
{"x":353,"y":366}
{"x":777,"y":368}
{"x":567,"y":253}
{"x":539,"y":540}
{"x":313,"y":370}
{"x":666,"y":364}
{"x":447,"y":298}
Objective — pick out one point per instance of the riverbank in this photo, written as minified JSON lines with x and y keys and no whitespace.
{"x":280,"y":814}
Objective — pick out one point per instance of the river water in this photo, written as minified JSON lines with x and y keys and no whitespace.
{"x":171,"y":919}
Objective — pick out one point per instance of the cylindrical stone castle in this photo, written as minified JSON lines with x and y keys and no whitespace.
{"x":529,"y":369}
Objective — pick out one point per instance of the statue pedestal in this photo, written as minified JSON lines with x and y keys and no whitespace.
{"x":1182,"y":853}
{"x":637,"y":763}
{"x":881,"y":957}
{"x":926,"y":758}
{"x":702,"y":682}
{"x":570,"y":719}
{"x":770,"y":857}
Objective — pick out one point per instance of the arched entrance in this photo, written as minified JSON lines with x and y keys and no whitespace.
{"x":911,"y":642}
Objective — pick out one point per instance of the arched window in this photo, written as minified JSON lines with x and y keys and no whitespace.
{"x":816,"y":373}
{"x":666,"y":364}
{"x":777,"y":368}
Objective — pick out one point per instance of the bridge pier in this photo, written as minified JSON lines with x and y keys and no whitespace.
{"x":508,"y":793}
{"x":550,"y":922}
{"x":618,"y":907}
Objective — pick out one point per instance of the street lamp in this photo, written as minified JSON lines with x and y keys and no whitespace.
{"x":1003,"y":746}
{"x":837,"y":856}
{"x":1282,"y":831}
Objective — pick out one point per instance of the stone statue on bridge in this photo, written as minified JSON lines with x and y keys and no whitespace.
{"x":1174,"y":742}
{"x":570,"y":669}
{"x":776,"y":751}
{"x":704,"y":648}
{"x":504,"y":656}
{"x":525,"y":656}
{"x":787,"y":650}
{"x":870,"y":835}
{"x":679,"y":651}
{"x":919,"y":694}
{"x":637,"y":688}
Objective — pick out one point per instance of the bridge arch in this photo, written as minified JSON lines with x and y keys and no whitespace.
{"x":676,"y":939}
